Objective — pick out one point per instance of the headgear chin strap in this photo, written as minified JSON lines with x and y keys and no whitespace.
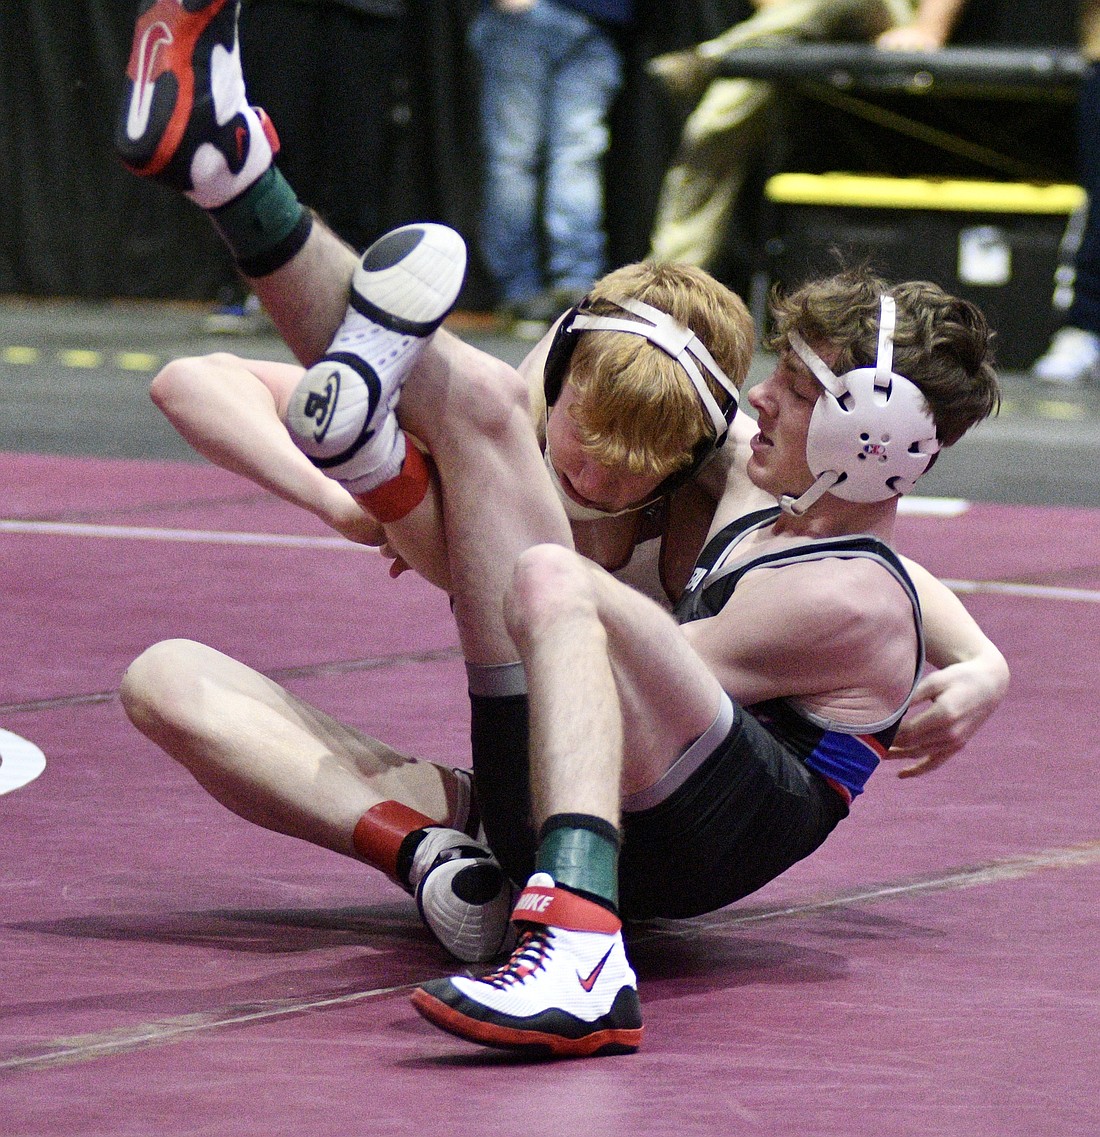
{"x":871,"y":435}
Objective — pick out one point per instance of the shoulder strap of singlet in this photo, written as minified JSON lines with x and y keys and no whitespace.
{"x":715,"y":579}
{"x":718,"y":549}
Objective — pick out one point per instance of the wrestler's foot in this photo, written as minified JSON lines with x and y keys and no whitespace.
{"x":567,"y":989}
{"x":185,"y":119}
{"x":462,"y":893}
{"x":341,"y":414}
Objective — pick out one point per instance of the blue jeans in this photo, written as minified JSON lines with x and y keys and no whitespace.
{"x":548,"y":77}
{"x":1085,"y":310}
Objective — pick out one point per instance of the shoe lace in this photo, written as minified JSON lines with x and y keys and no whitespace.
{"x":530,"y":955}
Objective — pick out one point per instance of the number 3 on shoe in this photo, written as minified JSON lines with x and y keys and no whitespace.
{"x":342,"y":413}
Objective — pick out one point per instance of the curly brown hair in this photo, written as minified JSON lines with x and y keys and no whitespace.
{"x":942,"y":343}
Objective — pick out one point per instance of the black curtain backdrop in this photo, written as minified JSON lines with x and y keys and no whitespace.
{"x":75,"y":223}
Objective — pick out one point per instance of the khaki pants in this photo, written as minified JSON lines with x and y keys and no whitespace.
{"x":1090,"y":28}
{"x":724,"y":135}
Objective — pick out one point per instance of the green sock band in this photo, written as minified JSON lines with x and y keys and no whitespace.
{"x":583,"y":857}
{"x":264,"y":224}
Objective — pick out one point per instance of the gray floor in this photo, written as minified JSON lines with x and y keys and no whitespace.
{"x":75,"y":377}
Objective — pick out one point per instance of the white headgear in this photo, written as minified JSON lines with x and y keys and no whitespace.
{"x":871,"y":434}
{"x":675,"y":340}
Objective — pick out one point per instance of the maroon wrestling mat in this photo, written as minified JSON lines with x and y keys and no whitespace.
{"x":168,"y":969}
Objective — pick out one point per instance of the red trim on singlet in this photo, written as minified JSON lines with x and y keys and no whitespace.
{"x":840,"y":788}
{"x":874,"y":743}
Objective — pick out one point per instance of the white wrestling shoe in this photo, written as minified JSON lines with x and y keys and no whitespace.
{"x":567,"y":990}
{"x":1072,"y":358}
{"x":341,"y":415}
{"x":462,"y":893}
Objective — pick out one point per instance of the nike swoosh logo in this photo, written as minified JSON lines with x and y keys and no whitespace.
{"x":589,"y":981}
{"x":141,"y":100}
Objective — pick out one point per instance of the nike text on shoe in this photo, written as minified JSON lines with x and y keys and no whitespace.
{"x":341,"y":415}
{"x":462,"y":893}
{"x":185,"y":119}
{"x":567,"y":990}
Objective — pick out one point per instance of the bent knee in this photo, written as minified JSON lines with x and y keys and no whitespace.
{"x":550,"y":584}
{"x":155,"y":687}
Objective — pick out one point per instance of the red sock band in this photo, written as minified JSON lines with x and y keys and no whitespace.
{"x":399,"y":496}
{"x":379,"y":832}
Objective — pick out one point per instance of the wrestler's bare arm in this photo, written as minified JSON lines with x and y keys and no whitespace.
{"x":958,"y":698}
{"x":835,"y":634}
{"x":231,"y":410}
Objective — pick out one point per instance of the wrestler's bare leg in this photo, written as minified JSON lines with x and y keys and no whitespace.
{"x":616,"y":692}
{"x":269,"y":756}
{"x":473,"y":413}
{"x":185,"y":121}
{"x":308,"y":296}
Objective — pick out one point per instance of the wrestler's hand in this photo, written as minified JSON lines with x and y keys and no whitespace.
{"x":398,"y":564}
{"x":358,"y":526}
{"x":958,"y":701}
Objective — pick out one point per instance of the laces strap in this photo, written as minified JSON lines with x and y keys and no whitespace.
{"x":560,"y":908}
{"x":528,"y":957}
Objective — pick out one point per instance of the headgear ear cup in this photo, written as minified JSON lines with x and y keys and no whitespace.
{"x":559,"y":356}
{"x":871,"y":434}
{"x":875,"y":437}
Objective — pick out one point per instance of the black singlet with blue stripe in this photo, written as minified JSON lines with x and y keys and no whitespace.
{"x":843,"y":754}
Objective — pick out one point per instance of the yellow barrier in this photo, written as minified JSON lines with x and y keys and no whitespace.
{"x":868,"y":192}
